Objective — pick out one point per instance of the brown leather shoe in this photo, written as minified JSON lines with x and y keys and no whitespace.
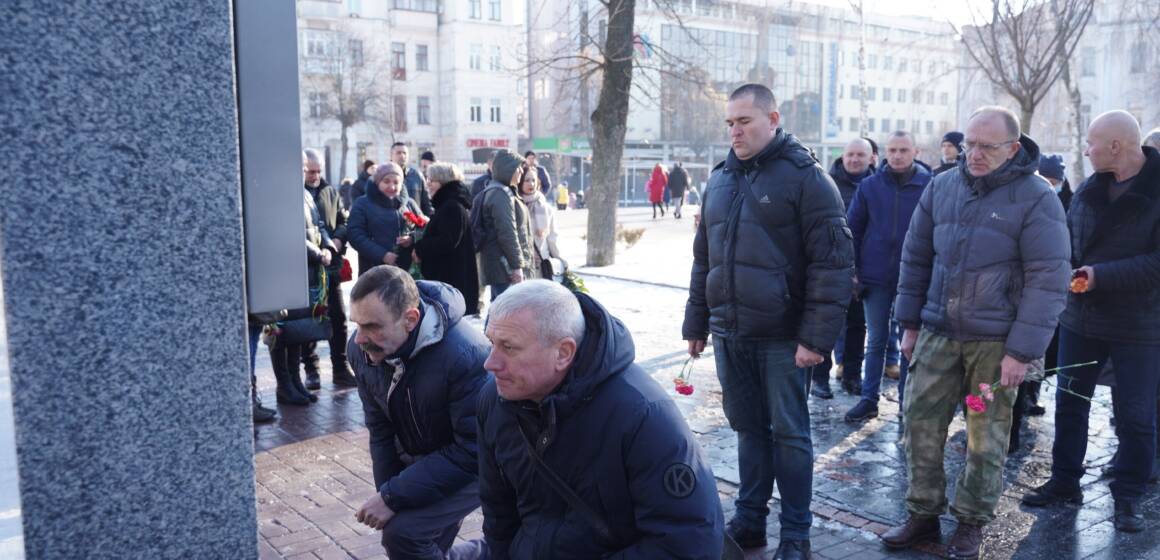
{"x":964,"y":544}
{"x":914,"y":531}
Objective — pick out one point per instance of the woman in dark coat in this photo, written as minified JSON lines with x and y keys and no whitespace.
{"x":446,"y":252}
{"x":376,"y":226}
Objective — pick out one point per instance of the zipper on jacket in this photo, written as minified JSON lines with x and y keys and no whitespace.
{"x":894,"y":223}
{"x":414,"y":418}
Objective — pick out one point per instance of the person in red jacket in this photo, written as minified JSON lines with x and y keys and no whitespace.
{"x":656,"y":189}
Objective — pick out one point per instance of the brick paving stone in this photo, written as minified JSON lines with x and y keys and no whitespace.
{"x":372,"y":552}
{"x":303,"y":556}
{"x":362,"y":541}
{"x":291,"y":538}
{"x":332,"y":552}
{"x":306,"y":546}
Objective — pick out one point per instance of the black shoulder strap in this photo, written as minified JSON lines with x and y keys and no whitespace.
{"x":576,"y":502}
{"x":751,"y":198}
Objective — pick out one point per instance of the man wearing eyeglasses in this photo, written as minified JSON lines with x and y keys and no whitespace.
{"x":984,"y":278}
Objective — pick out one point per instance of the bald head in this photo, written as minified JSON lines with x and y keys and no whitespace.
{"x":856,"y":156}
{"x":1113,"y":144}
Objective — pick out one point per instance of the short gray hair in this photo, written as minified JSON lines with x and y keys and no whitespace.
{"x":310,"y":155}
{"x":555,"y":310}
{"x":1153,"y":138}
{"x":1010,"y":119}
{"x":443,"y":173}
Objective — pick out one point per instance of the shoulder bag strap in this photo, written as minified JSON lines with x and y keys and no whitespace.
{"x":576,"y":502}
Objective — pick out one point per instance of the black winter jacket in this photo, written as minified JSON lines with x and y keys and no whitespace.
{"x":746,"y":285}
{"x":1121,"y":241}
{"x":430,"y":413}
{"x":847,"y":184}
{"x":618,"y":441}
{"x":446,"y":251}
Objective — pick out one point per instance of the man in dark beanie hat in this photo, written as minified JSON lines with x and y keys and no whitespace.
{"x":951,"y":147}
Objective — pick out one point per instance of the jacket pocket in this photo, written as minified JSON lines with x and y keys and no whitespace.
{"x":841,"y":246}
{"x":992,"y":298}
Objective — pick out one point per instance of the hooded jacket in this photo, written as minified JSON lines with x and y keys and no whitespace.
{"x":422,"y":425}
{"x":1121,"y":241}
{"x":446,"y":251}
{"x":507,"y":243}
{"x":618,"y":441}
{"x":747,"y":285}
{"x":656,"y":184}
{"x":879,"y":216}
{"x":986,"y":258}
{"x":374,"y":225}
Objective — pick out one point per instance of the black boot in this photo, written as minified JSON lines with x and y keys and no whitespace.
{"x":287,"y":391}
{"x":261,"y":413}
{"x":1033,"y":408}
{"x":293,"y":354}
{"x":310,"y":364}
{"x":343,"y":375}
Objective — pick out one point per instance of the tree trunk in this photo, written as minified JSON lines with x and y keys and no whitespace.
{"x":1076,"y":99}
{"x":342,"y":158}
{"x":1026,"y":113}
{"x":609,"y":124}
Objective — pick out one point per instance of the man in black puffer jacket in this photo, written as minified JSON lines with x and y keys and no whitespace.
{"x":569,"y":403}
{"x":772,"y":276}
{"x":420,"y":369}
{"x":1115,"y":238}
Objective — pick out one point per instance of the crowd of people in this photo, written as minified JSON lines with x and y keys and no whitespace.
{"x":984,"y":272}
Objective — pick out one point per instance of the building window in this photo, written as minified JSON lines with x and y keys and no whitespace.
{"x":872,"y":61}
{"x":424,"y":113}
{"x":1139,"y":57}
{"x":421,"y":64}
{"x":916,"y":96}
{"x":1087,"y":62}
{"x":855,"y":93}
{"x":871,"y":93}
{"x":400,"y":113}
{"x":475,"y":9}
{"x":885,"y":125}
{"x":930,"y":127}
{"x":494,"y":10}
{"x":915,"y":126}
{"x":474,"y":57}
{"x":399,"y":61}
{"x":902,"y":95}
{"x":494,"y":113}
{"x":917,"y":66}
{"x":493,"y":62}
{"x":317,"y":44}
{"x":317,"y":104}
{"x":476,"y":110}
{"x":943,"y":99}
{"x":870,"y":125}
{"x":900,"y":124}
{"x":888,"y":63}
{"x":886,"y":94}
{"x":356,"y":52}
{"x":930,"y":98}
{"x":901,"y":66}
{"x":932,"y":68}
{"x":853,"y":124}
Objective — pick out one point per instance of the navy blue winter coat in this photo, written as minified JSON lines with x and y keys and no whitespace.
{"x":879,"y":216}
{"x":375,"y":223}
{"x":614,"y":436}
{"x":430,"y":415}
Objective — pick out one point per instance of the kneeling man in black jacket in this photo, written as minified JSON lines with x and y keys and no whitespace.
{"x":419,"y":370}
{"x":582,"y":454}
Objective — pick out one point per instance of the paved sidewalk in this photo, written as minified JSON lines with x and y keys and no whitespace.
{"x":314,"y":470}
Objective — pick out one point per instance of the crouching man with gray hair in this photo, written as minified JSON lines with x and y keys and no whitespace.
{"x":582,"y":454}
{"x":419,"y":369}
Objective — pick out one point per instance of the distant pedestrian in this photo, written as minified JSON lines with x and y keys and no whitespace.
{"x":582,"y":454}
{"x":425,"y":161}
{"x":359,"y":187}
{"x":951,"y":148}
{"x":420,"y":370}
{"x":506,"y":254}
{"x":542,"y":219}
{"x":562,"y":196}
{"x":446,"y":252}
{"x":984,"y":276}
{"x":542,"y":174}
{"x":378,"y":228}
{"x":678,"y":185}
{"x":1113,"y":313}
{"x":413,"y":185}
{"x":1053,"y":169}
{"x":771,"y":278}
{"x":656,"y":187}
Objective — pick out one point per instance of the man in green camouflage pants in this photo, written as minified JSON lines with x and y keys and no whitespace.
{"x":984,"y":278}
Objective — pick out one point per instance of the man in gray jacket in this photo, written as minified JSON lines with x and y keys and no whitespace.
{"x":505,"y":257}
{"x":984,"y":278}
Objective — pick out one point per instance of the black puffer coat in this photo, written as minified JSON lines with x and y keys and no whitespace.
{"x":1121,"y":241}
{"x":746,"y":285}
{"x":446,"y":252}
{"x":847,"y":183}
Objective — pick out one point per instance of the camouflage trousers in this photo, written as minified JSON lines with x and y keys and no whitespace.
{"x":942,"y":373}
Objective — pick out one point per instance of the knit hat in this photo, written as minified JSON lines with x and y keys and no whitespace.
{"x":388,"y":168}
{"x":428,"y":156}
{"x":954,"y":137}
{"x":1052,"y":166}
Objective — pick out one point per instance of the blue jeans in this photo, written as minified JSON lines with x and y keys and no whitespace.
{"x":765,"y":403}
{"x":878,"y":302}
{"x":1133,"y":403}
{"x":893,"y":346}
{"x":497,"y":289}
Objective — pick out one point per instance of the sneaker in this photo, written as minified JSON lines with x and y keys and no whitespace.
{"x":1053,"y":492}
{"x":313,"y":382}
{"x":892,"y":371}
{"x":792,"y":550}
{"x":746,"y":536}
{"x":862,"y":411}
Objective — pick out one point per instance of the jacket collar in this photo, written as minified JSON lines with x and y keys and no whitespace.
{"x":1140,"y":196}
{"x":1025,"y":162}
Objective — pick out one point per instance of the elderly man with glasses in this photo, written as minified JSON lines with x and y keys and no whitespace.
{"x":984,"y":278}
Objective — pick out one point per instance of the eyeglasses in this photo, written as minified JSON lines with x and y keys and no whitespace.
{"x":988,"y":148}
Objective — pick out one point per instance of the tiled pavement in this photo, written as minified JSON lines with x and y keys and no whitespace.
{"x":313,"y":470}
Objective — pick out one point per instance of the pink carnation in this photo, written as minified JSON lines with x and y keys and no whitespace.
{"x":976,"y":403}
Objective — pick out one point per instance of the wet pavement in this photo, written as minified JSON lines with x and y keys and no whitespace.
{"x":313,"y":469}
